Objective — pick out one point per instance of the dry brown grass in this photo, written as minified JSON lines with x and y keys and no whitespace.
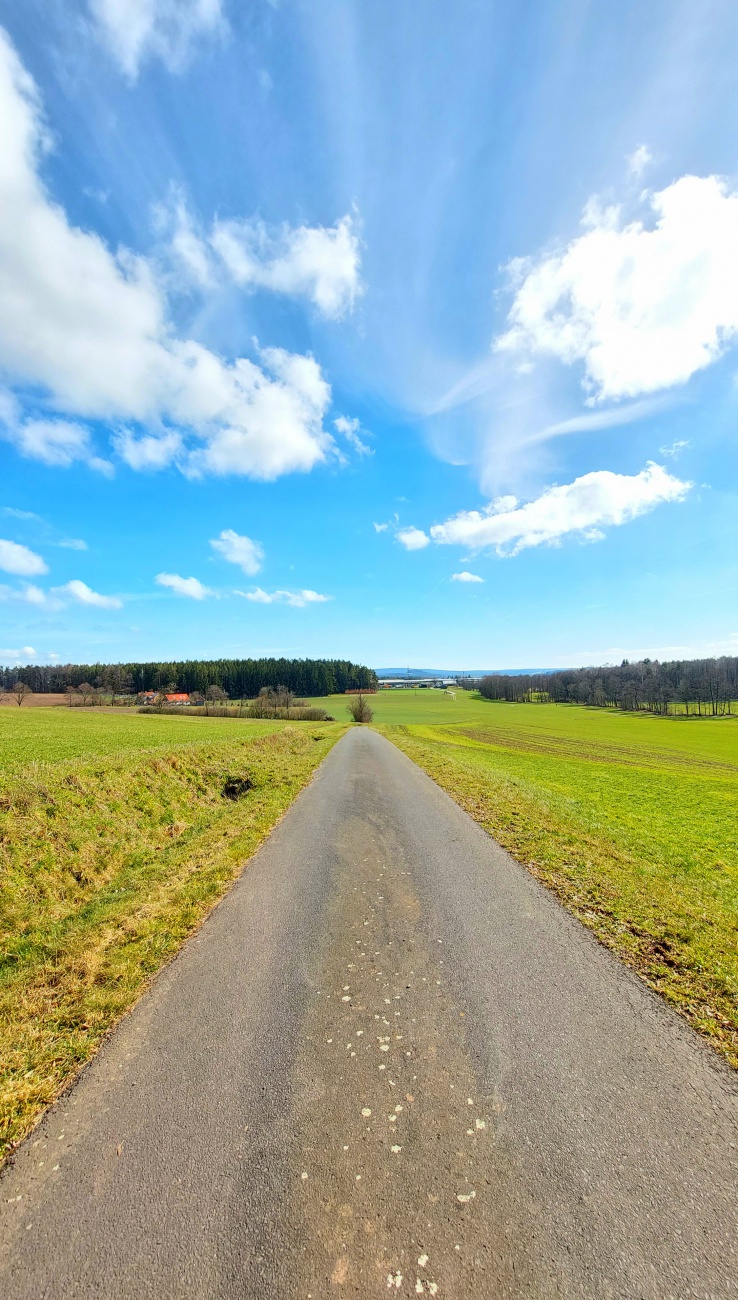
{"x":106,"y":866}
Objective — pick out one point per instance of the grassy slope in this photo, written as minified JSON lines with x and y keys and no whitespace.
{"x":108,"y":863}
{"x":630,"y":820}
{"x":47,"y":735}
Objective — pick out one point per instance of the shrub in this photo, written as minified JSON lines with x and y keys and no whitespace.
{"x":359,"y":709}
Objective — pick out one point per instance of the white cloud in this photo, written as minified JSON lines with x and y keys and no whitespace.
{"x":643,"y":306}
{"x":240,"y":550}
{"x":134,"y":30}
{"x":183,"y":586}
{"x":55,"y":442}
{"x":613,"y":417}
{"x":188,"y":247}
{"x":149,"y":452}
{"x":31,"y":593}
{"x":318,"y":262}
{"x":594,"y":501}
{"x":27,"y":652}
{"x":86,"y":596}
{"x":380,"y":528}
{"x":91,"y":330}
{"x":350,"y":430}
{"x":18,"y":559}
{"x":639,"y":160}
{"x":413,"y":539}
{"x":466,"y":576}
{"x":675,"y":448}
{"x":72,"y":544}
{"x":298,"y":599}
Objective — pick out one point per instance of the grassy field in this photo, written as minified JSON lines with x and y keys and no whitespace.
{"x":49,"y":735}
{"x":630,"y":819}
{"x":115,"y":842}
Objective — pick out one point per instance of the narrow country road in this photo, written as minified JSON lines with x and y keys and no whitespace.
{"x":388,"y":1064}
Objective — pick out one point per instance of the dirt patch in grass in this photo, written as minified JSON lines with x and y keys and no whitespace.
{"x":106,"y":867}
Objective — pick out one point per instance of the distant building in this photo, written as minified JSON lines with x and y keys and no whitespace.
{"x":408,"y":683}
{"x":177,"y":699}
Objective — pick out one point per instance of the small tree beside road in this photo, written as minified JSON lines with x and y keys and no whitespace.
{"x":359,"y":708}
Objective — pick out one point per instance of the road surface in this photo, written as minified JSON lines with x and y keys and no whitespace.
{"x":388,"y":1064}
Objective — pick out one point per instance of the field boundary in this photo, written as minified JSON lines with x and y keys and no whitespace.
{"x":91,"y":917}
{"x":587,"y":874}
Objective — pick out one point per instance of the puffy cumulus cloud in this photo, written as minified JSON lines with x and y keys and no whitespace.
{"x":594,"y":501}
{"x":86,"y":596}
{"x":277,"y":420}
{"x":56,"y":443}
{"x":413,"y":539}
{"x":642,"y":305}
{"x":134,"y":30}
{"x":239,"y":549}
{"x":316,"y":262}
{"x":298,"y":599}
{"x":466,"y":576}
{"x":350,"y":429}
{"x":149,"y":451}
{"x":190,"y":587}
{"x":90,"y":329}
{"x":20,"y":560}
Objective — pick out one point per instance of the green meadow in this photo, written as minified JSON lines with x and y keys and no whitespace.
{"x":630,"y":819}
{"x":41,"y":735}
{"x":117,"y":838}
{"x":118,"y":834}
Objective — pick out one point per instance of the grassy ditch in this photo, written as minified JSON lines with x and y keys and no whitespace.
{"x":638,"y":840}
{"x":107,"y":864}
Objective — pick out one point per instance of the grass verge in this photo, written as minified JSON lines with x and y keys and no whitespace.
{"x":641,"y":845}
{"x":106,"y":866}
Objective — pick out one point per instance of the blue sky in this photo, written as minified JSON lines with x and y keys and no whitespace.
{"x":396,"y":332}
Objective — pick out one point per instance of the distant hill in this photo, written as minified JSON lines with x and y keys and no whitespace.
{"x":457,"y":672}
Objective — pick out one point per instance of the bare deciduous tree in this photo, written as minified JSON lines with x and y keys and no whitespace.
{"x":359,"y":708}
{"x":20,"y":691}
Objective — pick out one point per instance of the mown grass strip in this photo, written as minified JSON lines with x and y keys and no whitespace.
{"x":106,"y":867}
{"x":645,"y":856}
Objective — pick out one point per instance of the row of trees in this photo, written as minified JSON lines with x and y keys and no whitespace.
{"x":239,"y":678}
{"x":700,"y":687}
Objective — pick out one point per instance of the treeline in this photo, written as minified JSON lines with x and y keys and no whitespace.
{"x":703,"y":687}
{"x":239,"y":678}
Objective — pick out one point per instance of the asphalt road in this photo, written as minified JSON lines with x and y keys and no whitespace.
{"x":388,"y":1064}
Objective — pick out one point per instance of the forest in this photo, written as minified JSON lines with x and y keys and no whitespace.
{"x":692,"y":687}
{"x":238,"y":678}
